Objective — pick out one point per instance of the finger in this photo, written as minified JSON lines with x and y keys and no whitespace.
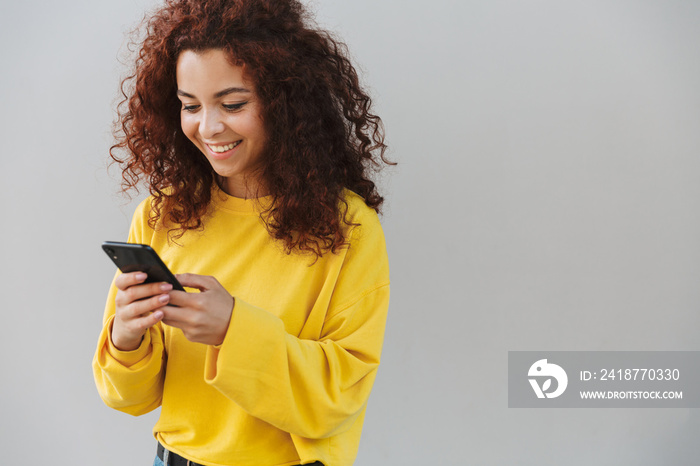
{"x":187,"y":300}
{"x":175,"y":316}
{"x":138,"y":292}
{"x":149,"y":320}
{"x":137,"y":327}
{"x":125,"y":280}
{"x":177,"y":313}
{"x":200,"y":282}
{"x":145,"y":306}
{"x":174,"y":323}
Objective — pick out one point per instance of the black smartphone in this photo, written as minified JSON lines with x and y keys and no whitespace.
{"x":131,"y":257}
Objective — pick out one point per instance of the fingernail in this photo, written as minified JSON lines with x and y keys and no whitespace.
{"x":166,"y":286}
{"x":164,"y":298}
{"x":141,"y":276}
{"x":158,"y":315}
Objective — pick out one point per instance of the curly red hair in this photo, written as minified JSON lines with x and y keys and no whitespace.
{"x":322,"y":136}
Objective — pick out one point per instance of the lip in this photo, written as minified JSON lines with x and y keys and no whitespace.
{"x":221,"y":155}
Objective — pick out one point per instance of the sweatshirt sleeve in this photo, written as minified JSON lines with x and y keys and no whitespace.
{"x":129,"y":381}
{"x":310,"y":388}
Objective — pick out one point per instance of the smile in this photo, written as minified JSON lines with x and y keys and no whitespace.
{"x":221,"y":149}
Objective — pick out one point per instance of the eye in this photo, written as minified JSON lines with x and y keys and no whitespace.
{"x":234,"y":107}
{"x":190,"y":108}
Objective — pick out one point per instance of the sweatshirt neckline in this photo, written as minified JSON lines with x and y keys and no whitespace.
{"x":222,"y":200}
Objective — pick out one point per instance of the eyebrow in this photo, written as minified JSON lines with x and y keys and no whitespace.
{"x":230,"y":90}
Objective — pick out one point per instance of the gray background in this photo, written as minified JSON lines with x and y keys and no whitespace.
{"x":547,"y":198}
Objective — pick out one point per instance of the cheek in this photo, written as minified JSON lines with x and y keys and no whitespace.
{"x":254,"y":129}
{"x":189,"y":126}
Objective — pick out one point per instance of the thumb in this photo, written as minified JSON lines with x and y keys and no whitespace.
{"x":199,"y":282}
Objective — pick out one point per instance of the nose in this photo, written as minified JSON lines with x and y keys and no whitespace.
{"x":211,"y":124}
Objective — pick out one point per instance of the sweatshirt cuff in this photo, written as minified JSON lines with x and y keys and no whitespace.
{"x":127,"y":358}
{"x":246,"y":334}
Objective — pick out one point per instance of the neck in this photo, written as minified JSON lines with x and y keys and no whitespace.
{"x":244,"y":189}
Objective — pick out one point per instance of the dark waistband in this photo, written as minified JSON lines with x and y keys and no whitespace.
{"x":176,"y":460}
{"x":173,"y":458}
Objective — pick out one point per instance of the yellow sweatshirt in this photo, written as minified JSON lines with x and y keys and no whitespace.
{"x":291,"y":380}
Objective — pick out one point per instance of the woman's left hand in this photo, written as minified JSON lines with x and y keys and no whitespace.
{"x":203,"y":317}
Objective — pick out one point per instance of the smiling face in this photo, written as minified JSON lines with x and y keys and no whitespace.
{"x":221,"y":116}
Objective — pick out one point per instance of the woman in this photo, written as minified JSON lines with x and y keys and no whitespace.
{"x":256,"y":142}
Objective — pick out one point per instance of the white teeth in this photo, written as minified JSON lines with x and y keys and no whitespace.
{"x":224,"y":148}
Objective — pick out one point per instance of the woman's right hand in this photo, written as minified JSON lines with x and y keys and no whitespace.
{"x":137,"y":308}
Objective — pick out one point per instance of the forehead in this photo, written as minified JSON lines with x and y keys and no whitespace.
{"x":208,"y":72}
